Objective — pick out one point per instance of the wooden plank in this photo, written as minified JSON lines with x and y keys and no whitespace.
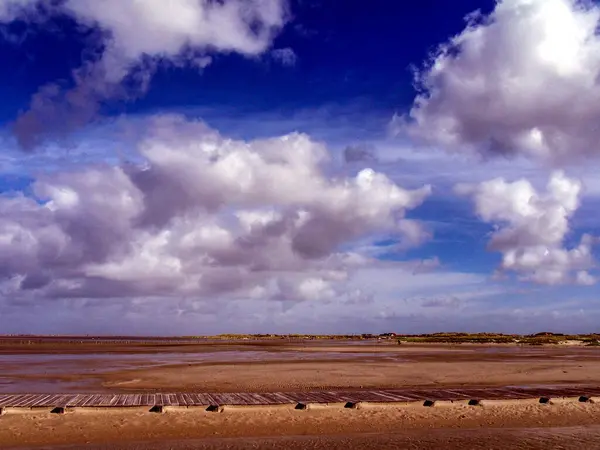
{"x":105,"y":401}
{"x":172,"y":399}
{"x":367,"y":396}
{"x":220,"y":398}
{"x":47,"y":401}
{"x":148,"y":400}
{"x":328,"y":397}
{"x":390,"y":397}
{"x":193,"y":399}
{"x":398,"y":395}
{"x":181,"y":400}
{"x":270,"y":398}
{"x":114,"y":400}
{"x":7,"y":399}
{"x":41,"y":400}
{"x":471,"y":393}
{"x":62,"y":400}
{"x":77,"y":398}
{"x":16,"y":400}
{"x":121,"y":400}
{"x":24,"y":400}
{"x":297,"y":396}
{"x":254,"y":399}
{"x":33,"y":400}
{"x":209,"y":399}
{"x":241,"y":398}
{"x":458,"y":394}
{"x":203,"y":399}
{"x":502,"y":393}
{"x":132,"y":400}
{"x":281,"y":397}
{"x":447,"y":394}
{"x":424,"y":394}
{"x":233,"y":399}
{"x":341,"y":396}
{"x":438,"y":394}
{"x":324,"y":397}
{"x":90,"y":400}
{"x":160,"y":399}
{"x":409,"y":394}
{"x":164,"y":399}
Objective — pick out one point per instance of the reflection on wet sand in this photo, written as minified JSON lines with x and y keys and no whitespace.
{"x":263,"y":366}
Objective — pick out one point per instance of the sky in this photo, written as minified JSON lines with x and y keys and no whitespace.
{"x":299,"y":166}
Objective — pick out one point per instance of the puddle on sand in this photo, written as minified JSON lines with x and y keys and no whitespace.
{"x":36,"y":373}
{"x":34,"y":386}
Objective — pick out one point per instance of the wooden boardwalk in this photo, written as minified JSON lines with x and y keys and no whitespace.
{"x":283,"y":398}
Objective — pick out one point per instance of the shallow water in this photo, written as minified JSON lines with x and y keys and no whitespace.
{"x":80,"y":372}
{"x":37,"y":373}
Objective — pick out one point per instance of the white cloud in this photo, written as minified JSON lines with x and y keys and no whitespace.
{"x":523,"y":80}
{"x":10,"y":9}
{"x":531,"y":228}
{"x":205,"y":215}
{"x":164,"y":29}
{"x":136,"y":36}
{"x":153,"y":28}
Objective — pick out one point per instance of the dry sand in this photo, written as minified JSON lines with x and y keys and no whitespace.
{"x":328,"y":375}
{"x":307,"y":367}
{"x":348,"y":366}
{"x":570,"y":425}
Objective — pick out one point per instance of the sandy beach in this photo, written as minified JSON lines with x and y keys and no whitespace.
{"x":268,"y":366}
{"x":298,"y":366}
{"x":518,"y":425}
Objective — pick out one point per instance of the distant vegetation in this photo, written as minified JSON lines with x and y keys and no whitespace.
{"x":544,"y":338}
{"x":493,"y":338}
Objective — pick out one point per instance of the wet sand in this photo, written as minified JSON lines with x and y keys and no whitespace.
{"x":570,"y":438}
{"x":265,"y":367}
{"x":519,"y":425}
{"x":295,"y":366}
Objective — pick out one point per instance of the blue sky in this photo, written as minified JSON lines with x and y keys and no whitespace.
{"x":113,"y":215}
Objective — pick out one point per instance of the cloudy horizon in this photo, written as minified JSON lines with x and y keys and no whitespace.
{"x":195,"y":167}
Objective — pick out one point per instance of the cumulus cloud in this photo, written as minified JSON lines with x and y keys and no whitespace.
{"x":135,"y":38}
{"x":10,"y":9}
{"x":204,"y":215}
{"x":523,"y":80}
{"x":531,"y":228}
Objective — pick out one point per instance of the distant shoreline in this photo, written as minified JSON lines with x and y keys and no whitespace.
{"x":434,"y":338}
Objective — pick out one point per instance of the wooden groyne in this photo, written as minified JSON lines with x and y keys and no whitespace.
{"x":472,"y":395}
